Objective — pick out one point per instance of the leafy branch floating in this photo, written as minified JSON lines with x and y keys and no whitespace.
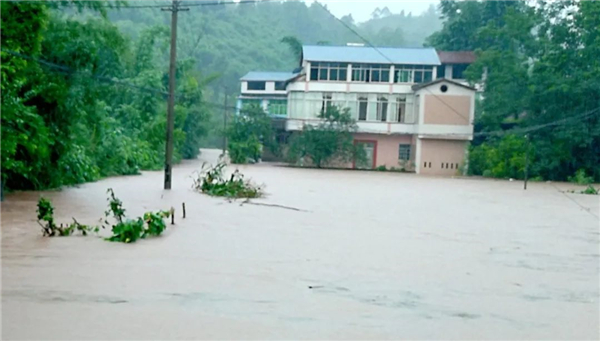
{"x":211,"y":180}
{"x":125,"y":230}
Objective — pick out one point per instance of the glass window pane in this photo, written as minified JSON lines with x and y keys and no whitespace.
{"x":323,"y":74}
{"x":333,"y":75}
{"x":385,"y":76}
{"x":256,"y":85}
{"x":418,"y":76}
{"x":441,"y":71}
{"x":343,"y":74}
{"x":375,"y":76}
{"x":314,"y":73}
{"x":428,"y":75}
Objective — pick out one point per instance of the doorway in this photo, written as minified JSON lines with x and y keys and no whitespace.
{"x":370,"y":148}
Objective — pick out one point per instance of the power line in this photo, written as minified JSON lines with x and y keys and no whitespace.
{"x":159,"y":6}
{"x":526,"y":130}
{"x":70,"y":71}
{"x":386,"y":57}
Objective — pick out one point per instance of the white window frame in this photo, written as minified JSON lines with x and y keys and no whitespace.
{"x":383,"y":105}
{"x":280,"y":106}
{"x":364,"y":72}
{"x":329,"y":69}
{"x":408,"y":73}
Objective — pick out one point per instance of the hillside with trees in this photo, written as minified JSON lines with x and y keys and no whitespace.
{"x":541,"y":72}
{"x":230,"y":40}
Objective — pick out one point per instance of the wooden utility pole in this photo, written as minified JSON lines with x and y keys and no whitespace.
{"x":171,"y":104}
{"x":526,"y":162}
{"x":225,"y":123}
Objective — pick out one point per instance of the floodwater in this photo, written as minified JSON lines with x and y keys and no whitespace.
{"x":367,"y":255}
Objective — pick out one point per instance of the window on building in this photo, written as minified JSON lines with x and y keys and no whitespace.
{"x":251,"y":102}
{"x":256,"y":85}
{"x":279,"y":86}
{"x":382,"y":107}
{"x":441,"y":71}
{"x":401,"y":103}
{"x":363,"y":104}
{"x":360,"y":73}
{"x":458,"y":71}
{"x":422,"y":74}
{"x":375,"y":73}
{"x":404,"y":152}
{"x":278,"y":107}
{"x":413,"y":73}
{"x":321,"y":71}
{"x":314,"y":73}
{"x":403,"y":74}
{"x":326,"y":101}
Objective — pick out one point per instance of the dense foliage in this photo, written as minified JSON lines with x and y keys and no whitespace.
{"x":80,"y":100}
{"x":211,"y":180}
{"x":248,"y":133}
{"x":329,"y":143}
{"x":541,"y":72}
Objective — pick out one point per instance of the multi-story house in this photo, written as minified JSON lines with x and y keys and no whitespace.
{"x":408,"y":116}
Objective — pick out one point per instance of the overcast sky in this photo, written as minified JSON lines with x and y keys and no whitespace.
{"x":361,"y":9}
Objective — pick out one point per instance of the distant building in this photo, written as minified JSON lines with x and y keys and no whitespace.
{"x":409,"y":115}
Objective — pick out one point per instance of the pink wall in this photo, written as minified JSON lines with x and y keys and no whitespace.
{"x":387,"y":148}
{"x":446,"y":109}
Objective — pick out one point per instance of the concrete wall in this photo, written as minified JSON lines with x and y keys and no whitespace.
{"x":445,"y":109}
{"x":441,"y":157}
{"x":387,"y":148}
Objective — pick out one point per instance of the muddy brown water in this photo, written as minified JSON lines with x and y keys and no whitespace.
{"x":371,"y":255}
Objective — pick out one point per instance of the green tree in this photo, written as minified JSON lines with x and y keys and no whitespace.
{"x":541,"y":76}
{"x":329,"y":141}
{"x":248,"y":133}
{"x":75,"y":98}
{"x":295,"y":45}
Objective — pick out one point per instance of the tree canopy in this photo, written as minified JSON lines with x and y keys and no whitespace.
{"x":541,"y":73}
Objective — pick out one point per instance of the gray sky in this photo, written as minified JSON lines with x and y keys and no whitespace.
{"x":361,"y":9}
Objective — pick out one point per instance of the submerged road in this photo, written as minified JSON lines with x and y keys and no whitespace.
{"x":363,"y":255}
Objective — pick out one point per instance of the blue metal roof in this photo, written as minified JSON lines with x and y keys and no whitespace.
{"x":366,"y":54}
{"x":268,"y":76}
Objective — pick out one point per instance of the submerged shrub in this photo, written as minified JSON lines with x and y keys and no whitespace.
{"x":210,"y":180}
{"x":125,"y":230}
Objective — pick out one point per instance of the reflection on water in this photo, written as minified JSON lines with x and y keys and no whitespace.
{"x":368,"y":255}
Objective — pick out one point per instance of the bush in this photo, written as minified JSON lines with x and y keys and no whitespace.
{"x":581,"y":178}
{"x":241,"y":151}
{"x":590,"y":190}
{"x":382,"y":168}
{"x":504,"y":158}
{"x":210,"y":180}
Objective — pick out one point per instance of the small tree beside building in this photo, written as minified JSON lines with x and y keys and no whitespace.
{"x":248,"y":133}
{"x":328,"y":143}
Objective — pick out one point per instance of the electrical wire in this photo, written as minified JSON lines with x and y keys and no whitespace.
{"x":387,"y":58}
{"x":183,"y":4}
{"x":70,"y":71}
